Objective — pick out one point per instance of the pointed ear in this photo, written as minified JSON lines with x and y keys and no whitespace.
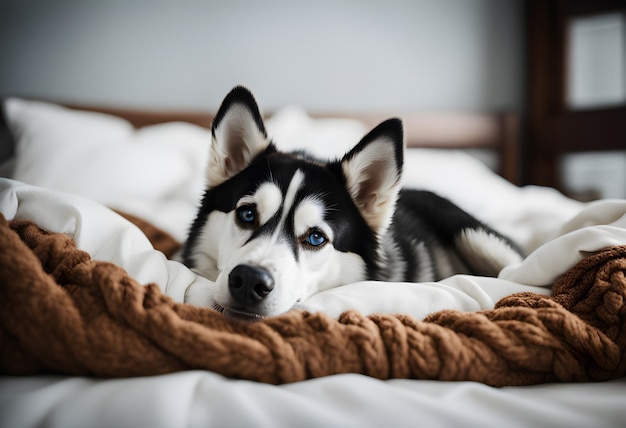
{"x":238,"y":136}
{"x":373,"y":170}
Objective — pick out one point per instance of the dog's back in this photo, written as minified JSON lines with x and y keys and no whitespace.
{"x":431,"y":238}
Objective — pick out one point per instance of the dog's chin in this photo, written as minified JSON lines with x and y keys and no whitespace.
{"x":237,"y":314}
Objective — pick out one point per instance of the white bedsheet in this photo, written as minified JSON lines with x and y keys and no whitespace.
{"x":204,"y":399}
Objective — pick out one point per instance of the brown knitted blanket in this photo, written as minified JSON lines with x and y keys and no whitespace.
{"x":62,"y":312}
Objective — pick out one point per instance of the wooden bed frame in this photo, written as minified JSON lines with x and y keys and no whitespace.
{"x":498,"y":131}
{"x":553,"y":129}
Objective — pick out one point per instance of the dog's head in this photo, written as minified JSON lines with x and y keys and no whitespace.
{"x":275,"y":228}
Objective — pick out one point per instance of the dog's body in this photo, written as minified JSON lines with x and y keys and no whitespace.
{"x":275,"y":228}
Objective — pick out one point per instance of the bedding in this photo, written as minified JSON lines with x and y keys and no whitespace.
{"x":90,"y":318}
{"x":577,"y":247}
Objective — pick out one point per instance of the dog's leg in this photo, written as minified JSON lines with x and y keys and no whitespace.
{"x":482,"y":249}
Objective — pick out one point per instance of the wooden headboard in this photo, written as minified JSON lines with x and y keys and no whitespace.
{"x":498,"y":131}
{"x":554,"y":128}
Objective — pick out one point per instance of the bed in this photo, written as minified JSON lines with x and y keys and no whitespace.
{"x":112,"y":191}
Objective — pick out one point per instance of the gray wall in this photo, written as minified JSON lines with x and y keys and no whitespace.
{"x":324,"y":55}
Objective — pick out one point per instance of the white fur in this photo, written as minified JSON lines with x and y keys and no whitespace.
{"x":393,"y":266}
{"x":374,"y":182}
{"x":210,"y":239}
{"x":267,"y":199}
{"x":297,"y":181}
{"x":213,"y":239}
{"x":485,"y":252}
{"x":309,"y":214}
{"x":426,"y":271}
{"x":447,"y":262}
{"x":295,"y":280}
{"x":236,"y":141}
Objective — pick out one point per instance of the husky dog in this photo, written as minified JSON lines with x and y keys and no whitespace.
{"x":274,"y":228}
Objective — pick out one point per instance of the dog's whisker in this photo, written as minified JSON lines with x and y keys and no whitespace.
{"x":216,"y":307}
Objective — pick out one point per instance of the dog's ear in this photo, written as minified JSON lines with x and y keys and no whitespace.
{"x":238,"y":136}
{"x":373,"y":170}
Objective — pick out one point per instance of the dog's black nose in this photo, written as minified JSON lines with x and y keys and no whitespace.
{"x":250,"y":284}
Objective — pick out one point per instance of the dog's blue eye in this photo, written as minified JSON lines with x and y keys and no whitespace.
{"x":316,"y":239}
{"x":246,"y":214}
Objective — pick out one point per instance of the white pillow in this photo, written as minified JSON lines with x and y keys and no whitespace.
{"x":156,"y":172}
{"x":292,"y":129}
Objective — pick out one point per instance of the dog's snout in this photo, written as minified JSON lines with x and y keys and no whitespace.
{"x":250,"y":284}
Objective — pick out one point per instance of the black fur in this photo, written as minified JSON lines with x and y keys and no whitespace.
{"x":242,"y":96}
{"x":439,"y":223}
{"x":351,"y":232}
